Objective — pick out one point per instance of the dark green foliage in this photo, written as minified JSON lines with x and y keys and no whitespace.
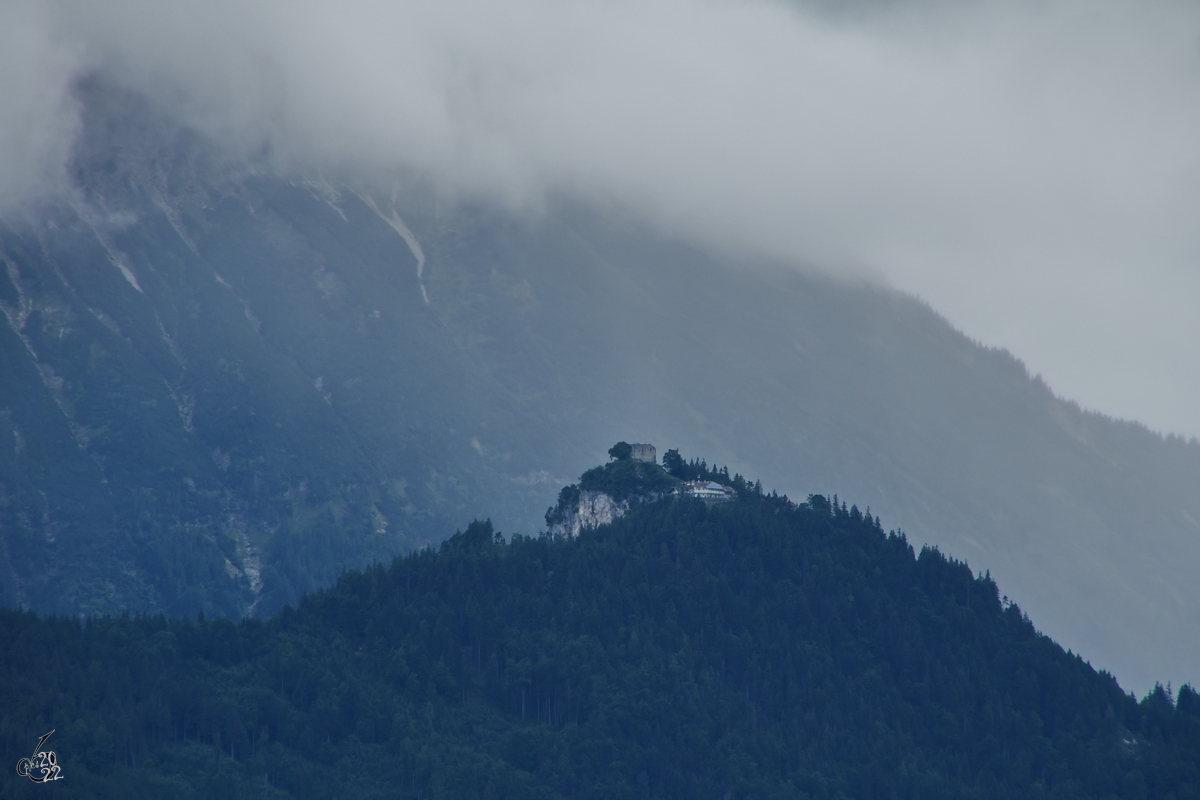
{"x":621,"y":451}
{"x":697,"y":470}
{"x":626,"y":479}
{"x":568,"y":499}
{"x":673,"y":463}
{"x":754,"y":649}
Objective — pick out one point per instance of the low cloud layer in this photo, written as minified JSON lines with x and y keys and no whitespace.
{"x":1032,"y":169}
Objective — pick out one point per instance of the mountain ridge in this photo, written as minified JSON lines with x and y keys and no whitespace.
{"x":278,"y":383}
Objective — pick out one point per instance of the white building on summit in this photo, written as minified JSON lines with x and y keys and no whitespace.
{"x":708,"y":491}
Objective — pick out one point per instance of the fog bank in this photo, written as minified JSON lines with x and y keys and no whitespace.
{"x":1028,"y":168}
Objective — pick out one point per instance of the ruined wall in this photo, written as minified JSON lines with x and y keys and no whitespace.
{"x":644,"y":452}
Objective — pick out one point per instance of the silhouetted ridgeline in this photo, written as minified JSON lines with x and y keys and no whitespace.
{"x":750,"y":649}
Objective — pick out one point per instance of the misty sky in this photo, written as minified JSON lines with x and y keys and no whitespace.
{"x":1032,"y":169}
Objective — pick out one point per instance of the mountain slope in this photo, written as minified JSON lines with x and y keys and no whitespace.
{"x":221,"y":386}
{"x":212,"y":370}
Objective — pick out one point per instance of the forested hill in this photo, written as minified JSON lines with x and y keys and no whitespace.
{"x":752,"y":649}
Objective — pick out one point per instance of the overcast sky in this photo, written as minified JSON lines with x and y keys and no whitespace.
{"x":1032,"y":169}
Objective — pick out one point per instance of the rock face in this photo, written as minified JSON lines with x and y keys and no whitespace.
{"x":592,"y":509}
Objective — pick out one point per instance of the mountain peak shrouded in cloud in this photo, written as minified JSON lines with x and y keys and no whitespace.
{"x":1029,"y":169}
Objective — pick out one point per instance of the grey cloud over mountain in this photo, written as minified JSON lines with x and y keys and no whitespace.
{"x":1031,"y":169}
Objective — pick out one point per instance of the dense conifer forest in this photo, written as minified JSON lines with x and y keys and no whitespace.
{"x":757,"y":648}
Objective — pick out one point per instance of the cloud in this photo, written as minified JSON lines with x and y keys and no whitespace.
{"x":38,"y":117}
{"x":1029,"y":168}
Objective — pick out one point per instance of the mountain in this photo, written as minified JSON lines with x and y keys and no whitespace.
{"x":750,"y":649}
{"x":222,"y":385}
{"x":221,"y":388}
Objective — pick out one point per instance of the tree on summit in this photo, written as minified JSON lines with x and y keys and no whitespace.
{"x":673,"y":463}
{"x":621,"y":451}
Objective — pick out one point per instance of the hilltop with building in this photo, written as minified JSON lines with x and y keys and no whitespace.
{"x":633,"y":475}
